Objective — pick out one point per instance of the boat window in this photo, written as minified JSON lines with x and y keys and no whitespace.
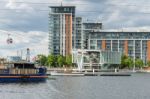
{"x":24,"y":65}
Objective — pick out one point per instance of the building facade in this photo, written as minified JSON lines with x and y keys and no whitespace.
{"x":88,"y":27}
{"x":61,"y":29}
{"x":133,"y":44}
{"x":14,"y":59}
{"x":68,"y":32}
{"x":78,"y":37}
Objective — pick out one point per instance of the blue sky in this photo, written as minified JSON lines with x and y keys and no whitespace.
{"x":28,"y":25}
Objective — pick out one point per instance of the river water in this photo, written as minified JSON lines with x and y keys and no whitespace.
{"x":97,"y":87}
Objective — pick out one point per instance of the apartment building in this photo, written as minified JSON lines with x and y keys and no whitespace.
{"x":133,"y":44}
{"x":89,"y":27}
{"x":78,"y":37}
{"x":61,"y":29}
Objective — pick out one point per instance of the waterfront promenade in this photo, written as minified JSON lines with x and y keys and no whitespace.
{"x":92,"y":72}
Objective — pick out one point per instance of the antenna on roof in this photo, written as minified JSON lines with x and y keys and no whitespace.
{"x":61,"y":2}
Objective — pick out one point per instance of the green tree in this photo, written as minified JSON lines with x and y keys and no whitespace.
{"x":148,"y":63}
{"x":129,"y":62}
{"x":123,"y":61}
{"x":51,"y":60}
{"x":69,"y":60}
{"x":139,"y":63}
{"x":60,"y":60}
{"x":42,"y":59}
{"x":126,"y":62}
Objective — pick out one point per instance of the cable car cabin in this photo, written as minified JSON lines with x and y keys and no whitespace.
{"x":9,"y":41}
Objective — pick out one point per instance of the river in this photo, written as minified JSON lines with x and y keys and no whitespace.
{"x":97,"y":87}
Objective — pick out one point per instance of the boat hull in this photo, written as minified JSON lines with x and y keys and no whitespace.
{"x":22,"y":78}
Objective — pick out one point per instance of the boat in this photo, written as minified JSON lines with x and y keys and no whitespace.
{"x":55,"y":73}
{"x":22,"y":72}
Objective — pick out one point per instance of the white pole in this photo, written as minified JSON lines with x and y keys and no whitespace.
{"x":111,"y":44}
{"x":141,"y":49}
{"x":134,"y":55}
{"x":118,"y":45}
{"x":93,"y":71}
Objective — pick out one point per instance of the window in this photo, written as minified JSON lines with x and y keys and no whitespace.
{"x":92,"y":47}
{"x":93,"y":42}
{"x":65,"y":9}
{"x":56,"y":9}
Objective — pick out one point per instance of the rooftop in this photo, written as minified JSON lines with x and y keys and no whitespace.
{"x":61,"y":6}
{"x":123,"y":30}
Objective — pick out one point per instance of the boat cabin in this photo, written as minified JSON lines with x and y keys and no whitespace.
{"x":24,"y":68}
{"x":24,"y":65}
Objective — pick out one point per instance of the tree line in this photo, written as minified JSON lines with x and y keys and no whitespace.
{"x":60,"y":61}
{"x":54,"y":60}
{"x":128,"y":62}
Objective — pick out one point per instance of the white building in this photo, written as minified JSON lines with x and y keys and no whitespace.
{"x":96,"y":59}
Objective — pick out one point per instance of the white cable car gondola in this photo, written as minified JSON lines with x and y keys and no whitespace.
{"x":9,"y":40}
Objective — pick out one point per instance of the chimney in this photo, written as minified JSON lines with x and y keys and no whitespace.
{"x":28,"y":55}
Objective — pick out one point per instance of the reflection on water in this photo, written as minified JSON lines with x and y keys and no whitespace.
{"x":135,"y":87}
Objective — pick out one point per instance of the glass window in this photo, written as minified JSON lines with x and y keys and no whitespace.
{"x":92,"y":47}
{"x":93,"y":41}
{"x":65,"y":9}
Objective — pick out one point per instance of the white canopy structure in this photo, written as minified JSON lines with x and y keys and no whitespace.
{"x":95,"y":59}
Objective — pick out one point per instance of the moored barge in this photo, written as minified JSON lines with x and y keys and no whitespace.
{"x":22,"y":72}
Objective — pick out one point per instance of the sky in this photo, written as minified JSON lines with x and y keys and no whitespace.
{"x":27,"y":20}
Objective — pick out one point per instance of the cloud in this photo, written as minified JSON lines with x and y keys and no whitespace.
{"x":13,"y":5}
{"x":113,"y":13}
{"x":28,"y":25}
{"x":37,"y":41}
{"x":126,"y":14}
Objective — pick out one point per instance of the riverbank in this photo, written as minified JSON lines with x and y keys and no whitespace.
{"x":72,"y":70}
{"x":92,"y":72}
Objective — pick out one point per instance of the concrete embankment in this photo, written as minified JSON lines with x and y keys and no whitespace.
{"x":86,"y":72}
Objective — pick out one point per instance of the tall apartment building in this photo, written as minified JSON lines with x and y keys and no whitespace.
{"x":133,"y":44}
{"x":87,"y":28}
{"x":61,"y":29}
{"x":78,"y":36}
